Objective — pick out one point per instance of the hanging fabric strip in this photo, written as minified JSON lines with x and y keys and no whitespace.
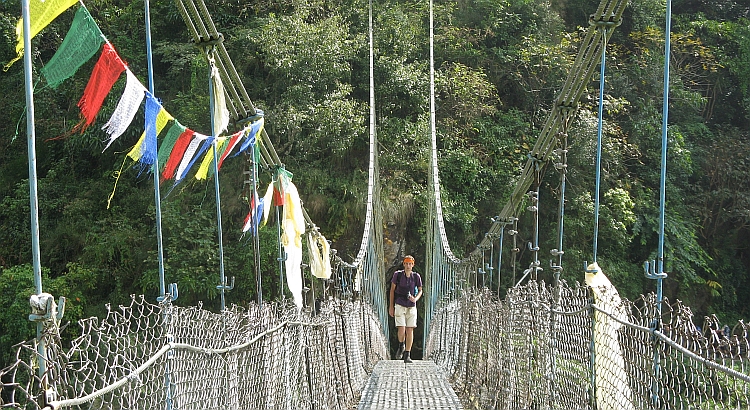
{"x":252,"y":221}
{"x":221,"y":112}
{"x":208,"y":160}
{"x":281,"y":182}
{"x":191,"y":155}
{"x":318,"y":251}
{"x":177,"y":153}
{"x":156,"y":118}
{"x":268,"y":199}
{"x":255,"y":129}
{"x":41,"y":13}
{"x":106,"y":71}
{"x":233,"y":140}
{"x":167,"y":145}
{"x":83,"y":40}
{"x":293,"y":227}
{"x":126,"y":109}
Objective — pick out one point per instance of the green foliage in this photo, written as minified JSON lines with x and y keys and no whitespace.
{"x":16,"y":286}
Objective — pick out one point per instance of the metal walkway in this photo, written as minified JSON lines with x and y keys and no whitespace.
{"x":394,"y":385}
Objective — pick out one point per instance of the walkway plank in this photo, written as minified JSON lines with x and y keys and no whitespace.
{"x":395,"y":385}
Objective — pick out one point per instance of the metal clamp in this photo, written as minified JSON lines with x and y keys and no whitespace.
{"x":650,"y":269}
{"x":43,"y":307}
{"x":224,"y":286}
{"x":171,"y":295}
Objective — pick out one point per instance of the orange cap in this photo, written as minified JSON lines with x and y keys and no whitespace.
{"x":409,"y":258}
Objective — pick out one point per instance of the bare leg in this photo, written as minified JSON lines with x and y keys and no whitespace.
{"x":402,"y":330}
{"x":409,"y":338}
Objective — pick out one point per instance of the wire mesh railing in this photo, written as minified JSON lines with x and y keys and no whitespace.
{"x":551,"y":347}
{"x":147,"y":356}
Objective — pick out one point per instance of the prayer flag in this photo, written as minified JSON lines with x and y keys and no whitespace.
{"x":156,"y":119}
{"x":320,"y":261}
{"x":251,"y":138}
{"x":103,"y":77}
{"x":177,"y":153}
{"x":191,"y":155}
{"x":83,"y":40}
{"x":209,"y":159}
{"x":233,"y":140}
{"x":293,"y":226}
{"x":127,"y":107}
{"x":221,"y":113}
{"x":167,"y":145}
{"x":41,"y":13}
{"x":254,"y":216}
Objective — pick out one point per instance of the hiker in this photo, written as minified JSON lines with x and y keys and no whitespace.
{"x":406,"y":289}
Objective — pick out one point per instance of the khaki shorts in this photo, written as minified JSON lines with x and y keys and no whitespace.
{"x":405,"y":316}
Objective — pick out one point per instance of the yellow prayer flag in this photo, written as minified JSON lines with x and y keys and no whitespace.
{"x":136,"y":152}
{"x":162,"y":118}
{"x":208,"y":159}
{"x":41,"y":13}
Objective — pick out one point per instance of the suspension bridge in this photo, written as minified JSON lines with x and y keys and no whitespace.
{"x":543,"y":346}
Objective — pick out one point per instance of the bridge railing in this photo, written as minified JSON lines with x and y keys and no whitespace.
{"x":147,"y":356}
{"x":547,"y":347}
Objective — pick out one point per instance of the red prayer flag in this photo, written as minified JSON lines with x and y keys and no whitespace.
{"x":230,"y":146}
{"x":178,"y":151}
{"x":106,"y":71}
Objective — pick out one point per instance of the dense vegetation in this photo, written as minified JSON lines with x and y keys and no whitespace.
{"x":305,"y":63}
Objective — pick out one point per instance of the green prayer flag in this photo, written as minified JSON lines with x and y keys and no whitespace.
{"x":83,"y":40}
{"x":167,"y":144}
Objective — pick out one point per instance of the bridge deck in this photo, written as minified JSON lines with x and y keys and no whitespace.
{"x":394,"y":385}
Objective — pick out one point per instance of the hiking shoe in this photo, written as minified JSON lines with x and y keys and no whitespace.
{"x":400,"y":352}
{"x":407,"y":358}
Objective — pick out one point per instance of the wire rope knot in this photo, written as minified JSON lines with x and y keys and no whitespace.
{"x":133,"y":377}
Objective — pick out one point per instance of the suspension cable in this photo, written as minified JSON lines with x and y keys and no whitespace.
{"x":610,"y":13}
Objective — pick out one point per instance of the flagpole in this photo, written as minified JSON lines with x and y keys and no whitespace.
{"x":223,"y":287}
{"x":157,"y":193}
{"x":34,"y":202}
{"x":256,"y":223}
{"x":157,"y":202}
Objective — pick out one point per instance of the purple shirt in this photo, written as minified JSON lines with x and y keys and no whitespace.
{"x":404,"y":286}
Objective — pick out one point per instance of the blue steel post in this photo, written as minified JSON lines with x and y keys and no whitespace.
{"x":34,"y":202}
{"x":562,"y":166}
{"x":222,"y":278}
{"x":256,"y":223}
{"x":535,"y":210}
{"x":602,"y":66}
{"x":157,"y":201}
{"x":663,"y":179}
{"x":500,"y":257}
{"x":655,"y":270}
{"x":157,"y":193}
{"x":490,"y":267}
{"x":429,"y":308}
